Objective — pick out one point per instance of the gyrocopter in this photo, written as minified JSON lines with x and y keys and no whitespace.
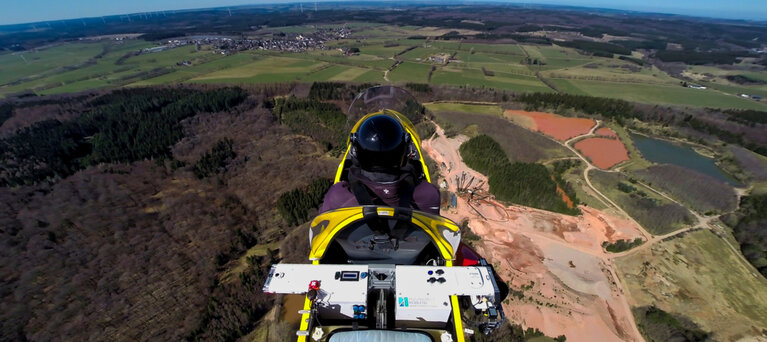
{"x":387,"y":269}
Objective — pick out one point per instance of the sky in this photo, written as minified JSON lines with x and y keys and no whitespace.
{"x":24,"y":11}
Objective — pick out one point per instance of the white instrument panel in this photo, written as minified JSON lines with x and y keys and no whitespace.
{"x":423,"y":292}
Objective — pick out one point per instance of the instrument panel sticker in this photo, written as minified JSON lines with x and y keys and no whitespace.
{"x":403,"y":302}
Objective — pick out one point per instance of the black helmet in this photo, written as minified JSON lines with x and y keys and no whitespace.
{"x":380,"y":144}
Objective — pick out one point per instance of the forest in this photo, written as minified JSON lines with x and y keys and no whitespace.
{"x":123,"y":126}
{"x":294,"y":205}
{"x":700,"y":58}
{"x":324,"y":122}
{"x":145,"y":250}
{"x":528,"y":184}
{"x":597,"y":48}
{"x":749,"y":225}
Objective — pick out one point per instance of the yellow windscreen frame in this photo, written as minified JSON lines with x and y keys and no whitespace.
{"x":332,"y":222}
{"x":405,"y":123}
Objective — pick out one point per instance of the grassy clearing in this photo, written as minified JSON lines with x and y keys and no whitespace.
{"x":466,"y":108}
{"x":410,"y":72}
{"x":656,"y":214}
{"x":660,"y":94}
{"x":381,"y":51}
{"x":197,"y":70}
{"x":475,"y":78}
{"x":492,"y":62}
{"x":371,"y":76}
{"x":699,"y":277}
{"x":615,"y":70}
{"x":509,"y":49}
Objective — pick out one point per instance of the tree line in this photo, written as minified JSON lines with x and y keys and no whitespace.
{"x":123,"y":126}
{"x":750,"y":229}
{"x":529,"y":184}
{"x":747,"y":116}
{"x":700,"y":58}
{"x":597,"y":48}
{"x":621,"y":245}
{"x":610,"y":108}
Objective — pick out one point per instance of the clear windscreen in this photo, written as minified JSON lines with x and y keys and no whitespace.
{"x":385,"y":97}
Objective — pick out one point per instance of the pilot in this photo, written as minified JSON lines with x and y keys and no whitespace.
{"x":384,"y":170}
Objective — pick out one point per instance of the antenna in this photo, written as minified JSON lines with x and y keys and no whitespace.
{"x":230,"y":11}
{"x":315,"y":6}
{"x":302,"y":6}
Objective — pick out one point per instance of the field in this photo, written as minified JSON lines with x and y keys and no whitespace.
{"x":699,"y":277}
{"x":14,"y":66}
{"x":410,"y":72}
{"x":555,"y":126}
{"x":463,"y":107}
{"x":657,"y":94}
{"x":656,"y":214}
{"x":603,"y":152}
{"x":475,"y":77}
{"x":72,"y":67}
{"x":688,"y":187}
{"x":518,"y":143}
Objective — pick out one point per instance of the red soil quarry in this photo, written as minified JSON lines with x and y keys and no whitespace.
{"x":606,"y":132}
{"x":603,"y":152}
{"x":555,"y":126}
{"x":560,"y":256}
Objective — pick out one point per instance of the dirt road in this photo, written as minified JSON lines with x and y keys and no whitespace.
{"x":569,"y":283}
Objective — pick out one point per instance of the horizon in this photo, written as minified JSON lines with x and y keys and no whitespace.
{"x":635,"y":6}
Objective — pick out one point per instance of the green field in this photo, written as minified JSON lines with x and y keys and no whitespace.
{"x":410,"y":72}
{"x":656,"y":214}
{"x":14,"y":66}
{"x":77,"y":66}
{"x":464,"y":107}
{"x":700,"y":277}
{"x":264,"y":70}
{"x":475,"y":78}
{"x":658,"y":94}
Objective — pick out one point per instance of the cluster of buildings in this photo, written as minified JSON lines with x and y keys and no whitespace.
{"x":276,"y":41}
